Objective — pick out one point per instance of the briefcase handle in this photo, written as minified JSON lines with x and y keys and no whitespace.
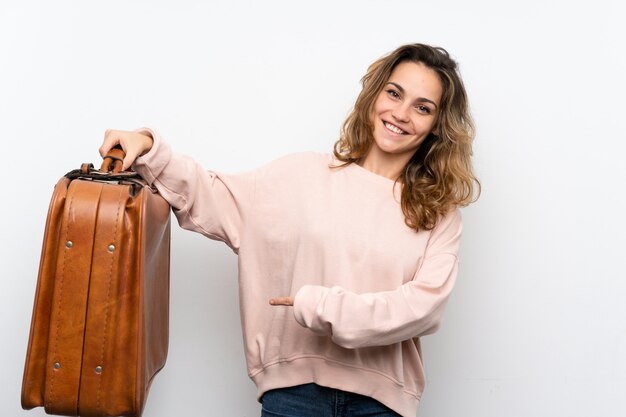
{"x":112,"y":161}
{"x":111,"y":171}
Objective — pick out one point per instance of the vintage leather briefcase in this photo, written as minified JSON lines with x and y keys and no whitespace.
{"x":99,"y":330}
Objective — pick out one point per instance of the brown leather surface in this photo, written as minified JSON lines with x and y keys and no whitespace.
{"x":102,"y":303}
{"x":35,"y":370}
{"x":69,"y":302}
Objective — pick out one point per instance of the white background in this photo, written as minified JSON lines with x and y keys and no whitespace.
{"x":537,"y":323}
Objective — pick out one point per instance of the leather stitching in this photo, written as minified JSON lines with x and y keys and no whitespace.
{"x":106,"y":314}
{"x":56,"y":330}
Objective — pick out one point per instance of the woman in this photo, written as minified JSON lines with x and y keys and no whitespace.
{"x":356,"y":251}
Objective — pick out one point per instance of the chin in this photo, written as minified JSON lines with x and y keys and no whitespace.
{"x":392,"y":146}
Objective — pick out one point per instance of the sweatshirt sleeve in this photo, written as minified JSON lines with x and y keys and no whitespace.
{"x":383,"y":318}
{"x":203,"y":201}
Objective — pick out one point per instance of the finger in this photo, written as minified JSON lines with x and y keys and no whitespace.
{"x":281,"y":301}
{"x":110,"y":140}
{"x":128,"y":160}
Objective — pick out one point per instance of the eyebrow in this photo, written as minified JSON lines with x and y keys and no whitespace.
{"x":419,"y":99}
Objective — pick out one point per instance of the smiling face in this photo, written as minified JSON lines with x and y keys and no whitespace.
{"x":403,"y":115}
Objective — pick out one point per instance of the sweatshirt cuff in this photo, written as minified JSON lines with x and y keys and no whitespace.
{"x":307,"y":306}
{"x":150,"y":165}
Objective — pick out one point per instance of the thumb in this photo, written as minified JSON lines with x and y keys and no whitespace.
{"x":127,"y":162}
{"x":131,"y":154}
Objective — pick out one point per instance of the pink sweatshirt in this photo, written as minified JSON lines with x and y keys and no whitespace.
{"x":366,"y":286}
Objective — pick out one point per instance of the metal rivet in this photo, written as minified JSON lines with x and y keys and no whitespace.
{"x":99,"y":369}
{"x":57,"y":365}
{"x":69,"y":244}
{"x":111,"y":248}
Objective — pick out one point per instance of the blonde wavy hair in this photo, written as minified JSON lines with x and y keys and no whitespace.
{"x":439,"y":176}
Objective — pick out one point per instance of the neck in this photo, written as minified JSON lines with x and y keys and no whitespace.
{"x":385,"y":164}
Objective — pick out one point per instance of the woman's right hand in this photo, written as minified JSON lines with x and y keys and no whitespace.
{"x":134,"y":144}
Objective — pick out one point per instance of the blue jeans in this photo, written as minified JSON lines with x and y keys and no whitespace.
{"x":312,"y":400}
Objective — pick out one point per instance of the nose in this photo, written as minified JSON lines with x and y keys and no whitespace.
{"x":400,"y":113}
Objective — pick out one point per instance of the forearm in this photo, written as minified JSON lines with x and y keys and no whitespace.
{"x":376,"y":319}
{"x":203,"y":201}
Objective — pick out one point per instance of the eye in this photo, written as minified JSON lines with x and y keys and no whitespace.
{"x":393,"y":93}
{"x":423,"y":109}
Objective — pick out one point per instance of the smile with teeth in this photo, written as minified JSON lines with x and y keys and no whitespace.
{"x":394,"y":129}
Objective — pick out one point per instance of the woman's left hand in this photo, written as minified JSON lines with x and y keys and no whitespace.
{"x":281,"y":301}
